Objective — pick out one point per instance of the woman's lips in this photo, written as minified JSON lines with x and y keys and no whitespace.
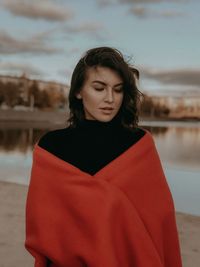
{"x":107,"y":110}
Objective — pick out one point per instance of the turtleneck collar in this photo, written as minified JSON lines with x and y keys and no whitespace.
{"x":95,"y":124}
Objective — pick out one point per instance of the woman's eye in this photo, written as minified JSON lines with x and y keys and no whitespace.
{"x":119,"y":90}
{"x":99,"y":88}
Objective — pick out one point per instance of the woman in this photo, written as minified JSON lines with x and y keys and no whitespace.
{"x":98,"y":196}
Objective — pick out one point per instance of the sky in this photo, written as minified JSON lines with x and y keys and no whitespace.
{"x":45,"y":39}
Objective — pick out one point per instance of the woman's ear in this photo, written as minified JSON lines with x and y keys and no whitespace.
{"x":78,"y":95}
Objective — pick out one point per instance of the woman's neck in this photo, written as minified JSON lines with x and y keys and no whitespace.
{"x":88,"y":123}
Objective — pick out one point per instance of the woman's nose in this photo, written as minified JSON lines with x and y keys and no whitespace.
{"x":109,"y":96}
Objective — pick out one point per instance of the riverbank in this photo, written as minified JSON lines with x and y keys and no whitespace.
{"x":12,"y":230}
{"x":28,"y":116}
{"x":59,"y":117}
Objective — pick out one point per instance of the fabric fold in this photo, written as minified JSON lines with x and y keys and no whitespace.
{"x":121,"y":216}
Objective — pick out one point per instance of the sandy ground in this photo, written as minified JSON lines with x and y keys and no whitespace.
{"x":12,"y":230}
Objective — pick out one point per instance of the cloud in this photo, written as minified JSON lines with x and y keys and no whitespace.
{"x":143,"y":8}
{"x":141,"y":1}
{"x":144,"y":12}
{"x":66,"y":73}
{"x":86,"y":27}
{"x":185,"y":77}
{"x":104,"y":3}
{"x":19,"y":68}
{"x":73,"y":50}
{"x":93,"y":29}
{"x":45,"y":10}
{"x":150,"y":1}
{"x":33,"y":45}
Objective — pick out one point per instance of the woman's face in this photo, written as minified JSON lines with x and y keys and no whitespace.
{"x":101,"y":94}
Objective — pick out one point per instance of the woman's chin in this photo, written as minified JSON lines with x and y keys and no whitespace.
{"x":105,"y":118}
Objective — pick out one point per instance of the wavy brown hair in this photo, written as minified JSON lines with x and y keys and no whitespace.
{"x":113,"y":59}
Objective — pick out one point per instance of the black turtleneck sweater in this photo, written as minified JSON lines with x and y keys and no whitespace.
{"x":92,"y":144}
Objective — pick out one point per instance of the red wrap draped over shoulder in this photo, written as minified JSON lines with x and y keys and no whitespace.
{"x":123,"y":216}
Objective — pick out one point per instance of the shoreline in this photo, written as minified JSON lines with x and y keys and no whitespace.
{"x":12,"y":230}
{"x":54,"y":119}
{"x":59,"y":116}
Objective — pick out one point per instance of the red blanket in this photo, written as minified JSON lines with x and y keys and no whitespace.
{"x":123,"y":216}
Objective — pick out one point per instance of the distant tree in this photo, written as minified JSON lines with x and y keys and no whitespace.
{"x":62,"y":100}
{"x":151,"y":109}
{"x":147,"y":106}
{"x":161,"y":110}
{"x":39,"y":96}
{"x":33,"y":91}
{"x":1,"y":92}
{"x":45,"y":100}
{"x":11,"y":94}
{"x":55,"y":98}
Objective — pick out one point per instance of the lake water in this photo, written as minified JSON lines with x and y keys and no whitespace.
{"x":178,"y":145}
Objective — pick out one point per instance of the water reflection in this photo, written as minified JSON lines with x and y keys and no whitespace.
{"x":21,"y":140}
{"x":178,"y":147}
{"x":21,"y":137}
{"x":156,"y":130}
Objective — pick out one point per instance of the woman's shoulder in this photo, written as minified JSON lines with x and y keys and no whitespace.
{"x":140,"y":130}
{"x":54,"y":137}
{"x":144,"y":131}
{"x":137,"y":131}
{"x":132,"y":136}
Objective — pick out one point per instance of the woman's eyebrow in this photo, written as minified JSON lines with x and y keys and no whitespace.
{"x":100,"y":82}
{"x":96,"y":81}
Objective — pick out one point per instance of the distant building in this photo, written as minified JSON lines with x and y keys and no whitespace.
{"x":180,"y":106}
{"x":24,"y":84}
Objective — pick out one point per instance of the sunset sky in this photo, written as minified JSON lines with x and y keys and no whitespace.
{"x":45,"y":39}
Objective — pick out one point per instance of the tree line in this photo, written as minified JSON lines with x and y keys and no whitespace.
{"x":14,"y":94}
{"x":149,"y":108}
